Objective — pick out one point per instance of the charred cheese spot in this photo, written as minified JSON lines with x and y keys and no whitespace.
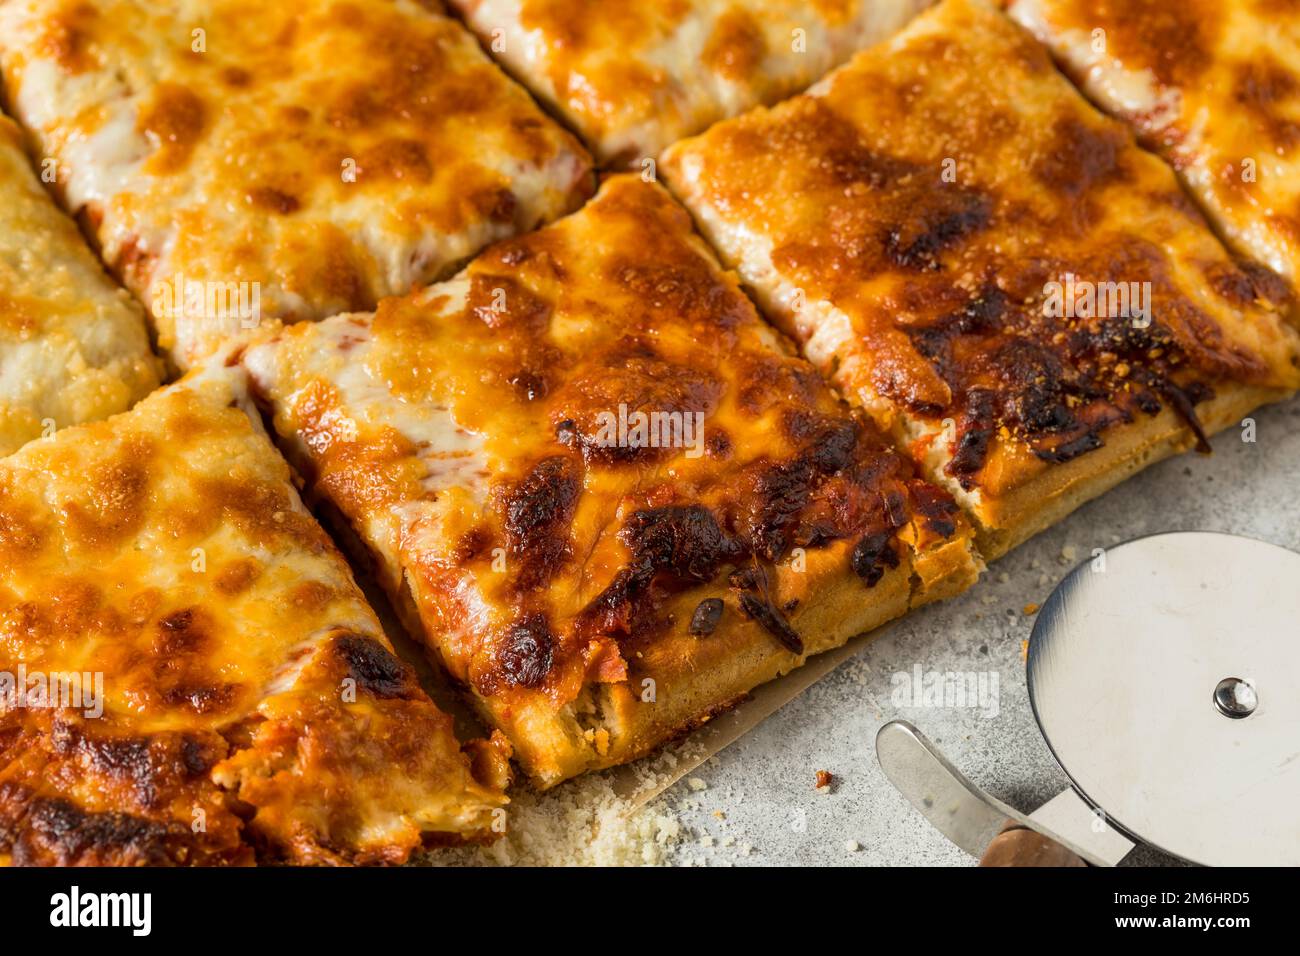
{"x":887,"y":210}
{"x":64,"y":37}
{"x":672,"y":545}
{"x":181,"y":632}
{"x":396,"y":159}
{"x":781,"y":493}
{"x":938,"y":510}
{"x":20,"y":535}
{"x":736,"y":47}
{"x":772,"y":621}
{"x":538,"y":511}
{"x":58,"y":833}
{"x":872,"y":556}
{"x":237,"y":576}
{"x":1082,"y":160}
{"x":1262,"y":88}
{"x":273,"y":200}
{"x":704,"y":621}
{"x":174,"y":121}
{"x":118,"y":501}
{"x":142,"y":766}
{"x":337,"y":271}
{"x":630,"y":383}
{"x":500,"y":302}
{"x":311,"y":595}
{"x":1176,"y":40}
{"x":684,"y":541}
{"x":684,"y":289}
{"x":236,"y":76}
{"x":260,"y":509}
{"x":374,"y":667}
{"x":527,"y":652}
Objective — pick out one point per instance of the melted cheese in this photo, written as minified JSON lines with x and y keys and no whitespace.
{"x":73,"y":346}
{"x":457,"y":430}
{"x":166,"y":550}
{"x":1214,"y":87}
{"x":358,"y":401}
{"x":907,"y":220}
{"x":242,"y":160}
{"x":634,"y":77}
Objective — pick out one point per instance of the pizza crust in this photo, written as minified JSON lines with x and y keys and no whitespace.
{"x":73,"y":346}
{"x":1005,"y":522}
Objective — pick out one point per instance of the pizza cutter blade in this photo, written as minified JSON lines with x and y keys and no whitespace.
{"x":1165,"y":677}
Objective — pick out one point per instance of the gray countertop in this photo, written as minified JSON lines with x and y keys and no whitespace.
{"x":754,"y":803}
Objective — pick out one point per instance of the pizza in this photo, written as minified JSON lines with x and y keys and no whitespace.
{"x":188,"y":672}
{"x":634,"y":77}
{"x":238,"y":160}
{"x":1212,"y":87}
{"x":1012,"y":288}
{"x":605,"y":492}
{"x":73,"y":346}
{"x":869,"y":293}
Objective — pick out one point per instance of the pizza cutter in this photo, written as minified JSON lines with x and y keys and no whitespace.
{"x":1164,"y":674}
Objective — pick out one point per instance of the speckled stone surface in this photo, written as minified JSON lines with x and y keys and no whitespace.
{"x":755,"y":803}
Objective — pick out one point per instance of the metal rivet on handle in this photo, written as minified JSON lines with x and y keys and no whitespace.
{"x":1235,"y":698}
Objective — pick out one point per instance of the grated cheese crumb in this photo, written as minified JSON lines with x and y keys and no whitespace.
{"x":580,"y":823}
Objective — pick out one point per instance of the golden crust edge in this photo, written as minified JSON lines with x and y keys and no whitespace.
{"x":698,"y":678}
{"x":1006,"y":521}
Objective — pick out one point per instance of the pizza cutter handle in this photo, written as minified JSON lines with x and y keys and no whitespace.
{"x":1062,"y":832}
{"x":1017,"y":845}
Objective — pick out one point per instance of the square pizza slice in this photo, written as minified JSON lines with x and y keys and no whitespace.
{"x":238,"y":159}
{"x":1213,"y":87}
{"x":603,"y":489}
{"x":188,"y":672}
{"x":633,"y":77}
{"x":73,"y":345}
{"x":995,"y":271}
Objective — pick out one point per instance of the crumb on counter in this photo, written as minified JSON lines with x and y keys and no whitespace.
{"x":824,"y":781}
